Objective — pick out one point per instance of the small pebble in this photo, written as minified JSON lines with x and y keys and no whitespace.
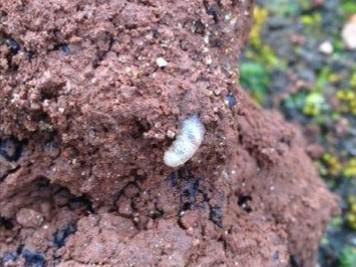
{"x":33,"y":259}
{"x":52,"y":149}
{"x":189,"y":219}
{"x":29,"y":218}
{"x":124,"y":206}
{"x":230,"y":101}
{"x":9,"y":257}
{"x":326,"y":48}
{"x":318,"y":3}
{"x":13,"y":45}
{"x":161,"y":62}
{"x":65,"y":49}
{"x":349,"y":33}
{"x":216,"y":216}
{"x":315,"y":151}
{"x":131,"y":190}
{"x":10,"y":149}
{"x":60,"y":236}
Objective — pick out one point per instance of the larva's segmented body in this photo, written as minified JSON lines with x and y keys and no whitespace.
{"x":187,"y":142}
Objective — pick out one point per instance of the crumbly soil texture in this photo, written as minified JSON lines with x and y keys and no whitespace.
{"x":91,"y":95}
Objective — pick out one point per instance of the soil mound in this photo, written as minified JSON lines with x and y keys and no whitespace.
{"x":92,"y":94}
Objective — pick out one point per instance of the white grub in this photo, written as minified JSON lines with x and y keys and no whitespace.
{"x":187,"y":142}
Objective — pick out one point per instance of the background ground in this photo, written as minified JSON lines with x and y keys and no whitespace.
{"x":298,"y":63}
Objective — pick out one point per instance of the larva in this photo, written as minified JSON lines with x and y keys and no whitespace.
{"x":187,"y":142}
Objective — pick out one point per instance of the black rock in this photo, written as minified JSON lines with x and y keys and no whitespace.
{"x":60,"y":236}
{"x":33,"y":259}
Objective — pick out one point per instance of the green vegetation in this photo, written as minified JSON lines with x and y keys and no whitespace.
{"x":261,"y":60}
{"x":348,"y":7}
{"x":284,"y":67}
{"x":255,"y":77}
{"x":350,"y":169}
{"x":351,"y":213}
{"x":348,"y":101}
{"x":314,"y":104}
{"x":348,"y":257}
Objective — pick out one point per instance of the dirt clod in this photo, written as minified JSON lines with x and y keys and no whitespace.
{"x":95,"y":109}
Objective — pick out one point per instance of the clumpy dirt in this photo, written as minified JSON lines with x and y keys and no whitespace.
{"x":87,"y":113}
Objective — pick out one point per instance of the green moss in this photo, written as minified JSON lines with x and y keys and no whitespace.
{"x":324,"y":77}
{"x":336,"y":222}
{"x":295,"y":102}
{"x":339,"y":46}
{"x":253,"y":73}
{"x":260,"y":59}
{"x":312,"y":25}
{"x":269,"y":56}
{"x":348,"y":257}
{"x":260,"y":16}
{"x":353,"y":80}
{"x":304,"y":4}
{"x":332,"y":164}
{"x":260,"y":51}
{"x":314,"y":104}
{"x":351,"y":213}
{"x":348,"y":7}
{"x":286,"y":8}
{"x":313,"y":20}
{"x":334,"y":78}
{"x":350,"y":168}
{"x":255,"y":78}
{"x":266,"y":56}
{"x":347,"y":99}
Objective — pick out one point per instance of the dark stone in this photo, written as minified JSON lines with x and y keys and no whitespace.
{"x":9,"y":257}
{"x":33,"y":259}
{"x":10,"y":149}
{"x":60,"y":236}
{"x":13,"y":45}
{"x":216,"y":216}
{"x":231,"y":100}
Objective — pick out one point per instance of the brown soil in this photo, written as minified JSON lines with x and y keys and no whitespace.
{"x":86,"y":115}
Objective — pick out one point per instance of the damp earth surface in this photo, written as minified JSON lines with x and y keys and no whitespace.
{"x":92,"y":94}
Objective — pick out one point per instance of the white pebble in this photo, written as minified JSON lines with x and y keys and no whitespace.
{"x":348,"y":33}
{"x":326,"y":48}
{"x":161,"y":62}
